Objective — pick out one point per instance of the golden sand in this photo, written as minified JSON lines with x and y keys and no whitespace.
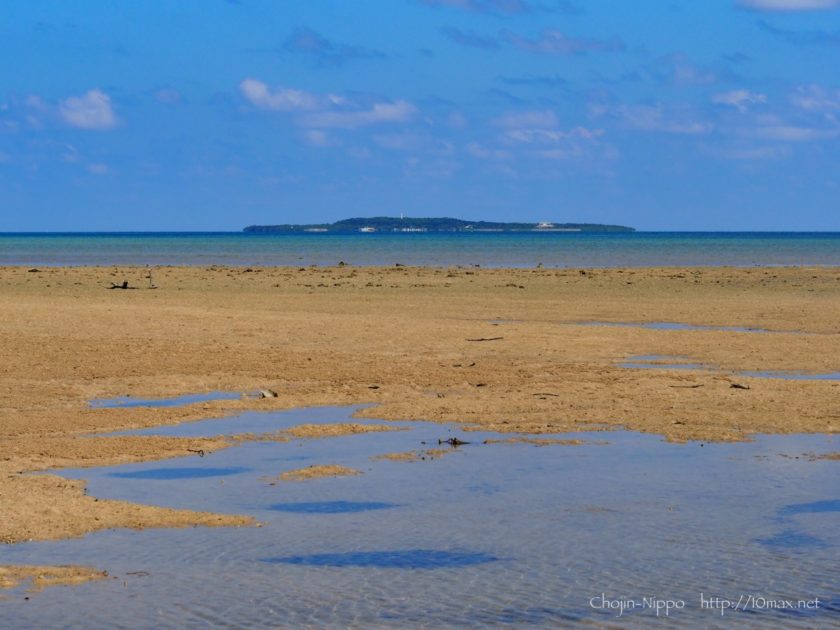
{"x":503,"y":350}
{"x":41,"y":577}
{"x":428,"y":454}
{"x":337,"y":429}
{"x":318,"y":472}
{"x":825,"y":456}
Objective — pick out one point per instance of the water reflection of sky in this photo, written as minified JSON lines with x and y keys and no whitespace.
{"x":487,"y":534}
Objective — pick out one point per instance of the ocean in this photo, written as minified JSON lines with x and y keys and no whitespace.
{"x":639,"y":249}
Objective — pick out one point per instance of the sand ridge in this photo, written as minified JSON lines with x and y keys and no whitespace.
{"x":40,"y":577}
{"x":317,"y":471}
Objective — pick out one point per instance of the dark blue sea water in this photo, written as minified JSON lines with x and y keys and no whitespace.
{"x":638,"y":249}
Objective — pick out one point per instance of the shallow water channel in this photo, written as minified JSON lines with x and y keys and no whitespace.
{"x":483,"y":535}
{"x":666,"y":362}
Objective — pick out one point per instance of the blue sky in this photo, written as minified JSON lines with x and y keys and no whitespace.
{"x":215,"y":114}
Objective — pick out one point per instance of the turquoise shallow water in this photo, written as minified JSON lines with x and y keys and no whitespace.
{"x":638,"y":249}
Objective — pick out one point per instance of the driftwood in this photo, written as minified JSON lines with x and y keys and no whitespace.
{"x":686,"y":386}
{"x":124,"y":285}
{"x":486,"y":339}
{"x":453,"y":442}
{"x":738,"y":386}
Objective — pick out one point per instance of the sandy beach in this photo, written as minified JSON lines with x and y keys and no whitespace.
{"x":508,"y":350}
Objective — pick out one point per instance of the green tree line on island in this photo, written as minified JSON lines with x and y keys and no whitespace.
{"x":400,"y":224}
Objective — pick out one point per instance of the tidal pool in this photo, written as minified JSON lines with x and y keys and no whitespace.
{"x":681,"y":326}
{"x":178,"y":401}
{"x":487,"y":535}
{"x":665,"y":362}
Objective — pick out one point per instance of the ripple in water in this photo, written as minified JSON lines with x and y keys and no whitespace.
{"x":331,"y":507}
{"x":792,"y":539}
{"x":512,"y":535}
{"x":815,"y":507}
{"x":408,"y":559}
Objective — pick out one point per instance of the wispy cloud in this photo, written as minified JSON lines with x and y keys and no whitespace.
{"x":92,"y":111}
{"x":326,"y":52}
{"x":324,"y":112}
{"x":791,"y":133}
{"x":414,"y":141}
{"x":318,"y":138}
{"x":507,"y":7}
{"x":658,"y":119}
{"x":548,"y":42}
{"x":739,"y":99}
{"x":749,"y":153}
{"x":551,"y":136}
{"x":555,"y":42}
{"x":552,"y":81}
{"x":478,"y":150}
{"x":378,"y":113}
{"x":818,"y":37}
{"x":677,"y":69}
{"x":168,"y":96}
{"x":543,"y":119}
{"x":280,"y":99}
{"x":466,"y":38}
{"x":98,"y":168}
{"x":789,"y":5}
{"x":537,"y":134}
{"x":815,"y":98}
{"x":483,"y":6}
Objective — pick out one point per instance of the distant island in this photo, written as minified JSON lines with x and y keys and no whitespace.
{"x":409,"y":225}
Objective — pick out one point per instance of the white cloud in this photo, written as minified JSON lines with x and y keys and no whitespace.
{"x":552,"y":136}
{"x":479,"y":151}
{"x":457,"y":120}
{"x":281,"y":99}
{"x":321,"y":112}
{"x":678,"y":69}
{"x":792,"y":133}
{"x":317,"y":138}
{"x":401,"y":141}
{"x":790,"y":5}
{"x":98,"y":168}
{"x":654,"y":118}
{"x":555,"y":42}
{"x":536,"y":134}
{"x":752,"y":153}
{"x":378,"y":113}
{"x":814,"y":98}
{"x":436,"y":168}
{"x":739,"y":99}
{"x":35,"y":102}
{"x":91,"y":111}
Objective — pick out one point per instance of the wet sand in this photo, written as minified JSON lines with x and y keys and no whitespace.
{"x":318,"y":471}
{"x":41,"y":577}
{"x":422,"y":455}
{"x":503,"y":350}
